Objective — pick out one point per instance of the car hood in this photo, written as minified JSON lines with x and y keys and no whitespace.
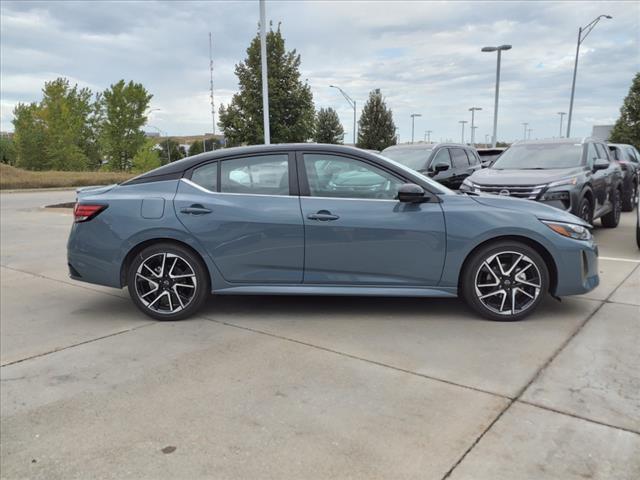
{"x":494,"y":176}
{"x":539,"y":210}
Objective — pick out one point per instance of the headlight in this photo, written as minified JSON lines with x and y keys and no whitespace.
{"x":565,"y":181}
{"x":571,"y":230}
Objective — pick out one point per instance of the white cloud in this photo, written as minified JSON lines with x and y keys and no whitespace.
{"x":425,"y":56}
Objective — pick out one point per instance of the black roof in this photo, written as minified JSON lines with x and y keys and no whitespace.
{"x":176,"y":169}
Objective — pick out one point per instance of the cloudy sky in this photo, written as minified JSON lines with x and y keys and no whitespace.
{"x":424,"y":56}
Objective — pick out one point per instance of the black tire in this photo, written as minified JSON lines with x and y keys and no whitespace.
{"x":189,"y":269}
{"x":629,"y":201}
{"x":611,"y":219}
{"x":474,"y":269}
{"x":585,"y":210}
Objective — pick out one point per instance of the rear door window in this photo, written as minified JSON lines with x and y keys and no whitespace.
{"x":473,"y":157}
{"x":206,"y":176}
{"x":261,"y":175}
{"x":602,"y":151}
{"x":459,"y":158}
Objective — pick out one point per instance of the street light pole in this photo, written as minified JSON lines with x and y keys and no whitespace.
{"x":529,"y":130}
{"x":265,"y":78}
{"x":473,"y":111}
{"x":495,"y":107}
{"x":562,"y":114}
{"x":413,"y":120}
{"x":586,"y":30}
{"x":352,"y":104}
{"x":524,"y":135}
{"x":428,"y":132}
{"x":462,"y":122}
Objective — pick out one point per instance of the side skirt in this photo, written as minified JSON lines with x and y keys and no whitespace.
{"x":346,"y":290}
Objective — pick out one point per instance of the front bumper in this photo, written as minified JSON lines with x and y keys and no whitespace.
{"x":577,"y":267}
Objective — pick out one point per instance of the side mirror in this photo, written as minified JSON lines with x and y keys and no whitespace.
{"x":411,"y":193}
{"x":440,"y":167}
{"x":600,"y":164}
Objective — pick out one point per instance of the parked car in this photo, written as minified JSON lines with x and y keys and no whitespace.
{"x":629,"y":160}
{"x":335,"y":221}
{"x":575,"y":175}
{"x":488,"y":156}
{"x":638,"y":226}
{"x":447,"y":163}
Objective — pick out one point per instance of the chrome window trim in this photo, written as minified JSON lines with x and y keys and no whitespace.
{"x":205,"y":190}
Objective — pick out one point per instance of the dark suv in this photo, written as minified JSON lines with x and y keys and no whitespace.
{"x":629,"y":159}
{"x":572,"y":174}
{"x":447,"y":163}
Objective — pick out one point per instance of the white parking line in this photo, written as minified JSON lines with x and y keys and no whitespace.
{"x":615,"y":259}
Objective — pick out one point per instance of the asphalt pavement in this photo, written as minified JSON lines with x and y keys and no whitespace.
{"x":309,"y":387}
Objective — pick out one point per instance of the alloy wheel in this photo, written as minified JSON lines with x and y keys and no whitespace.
{"x":508,"y":283}
{"x":165,"y":283}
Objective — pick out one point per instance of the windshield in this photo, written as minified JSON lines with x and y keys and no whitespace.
{"x":438,"y":187}
{"x":540,"y":156}
{"x":413,"y":158}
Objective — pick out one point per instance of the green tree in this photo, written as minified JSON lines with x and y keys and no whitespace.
{"x":147,"y":158}
{"x":65,"y":111}
{"x":627,"y":127}
{"x":29,"y":137}
{"x":376,"y":129}
{"x":123,"y":107}
{"x":7,"y":150}
{"x":291,"y":111}
{"x":195,"y":148}
{"x":177,"y":151}
{"x":328,"y":128}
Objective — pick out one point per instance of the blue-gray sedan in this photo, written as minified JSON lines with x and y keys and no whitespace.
{"x":321,"y":220}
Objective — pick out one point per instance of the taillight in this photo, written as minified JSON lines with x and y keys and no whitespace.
{"x":83,"y":212}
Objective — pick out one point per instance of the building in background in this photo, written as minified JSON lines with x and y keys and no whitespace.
{"x":601,"y":132}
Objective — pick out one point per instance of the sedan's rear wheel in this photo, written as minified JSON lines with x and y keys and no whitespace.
{"x":167,"y":282}
{"x":505,"y":281}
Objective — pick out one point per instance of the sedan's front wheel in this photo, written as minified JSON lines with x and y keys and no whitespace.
{"x":167,"y":282}
{"x":505,"y":281}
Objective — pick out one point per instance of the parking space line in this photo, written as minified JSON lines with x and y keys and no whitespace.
{"x":355,"y":357}
{"x":617,"y":259}
{"x":91,"y":340}
{"x":569,"y":414}
{"x":71,"y":284}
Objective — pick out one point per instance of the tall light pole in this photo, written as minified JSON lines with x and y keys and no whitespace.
{"x":582,"y":34}
{"x":265,"y":78}
{"x":352,"y":103}
{"x":428,"y":134}
{"x":562,"y":114}
{"x":524,"y":135}
{"x":462,"y":122}
{"x":495,"y":107}
{"x":529,"y":130}
{"x":473,"y":110}
{"x":213,"y":110}
{"x":413,"y":121}
{"x":397,"y":135}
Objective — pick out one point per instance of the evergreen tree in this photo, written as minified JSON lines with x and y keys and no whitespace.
{"x":123,"y":107}
{"x":376,"y":129}
{"x":291,"y":111}
{"x":627,"y":127}
{"x":328,"y":128}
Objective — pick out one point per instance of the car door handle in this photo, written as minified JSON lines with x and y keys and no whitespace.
{"x":323,"y":216}
{"x":195,"y":210}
